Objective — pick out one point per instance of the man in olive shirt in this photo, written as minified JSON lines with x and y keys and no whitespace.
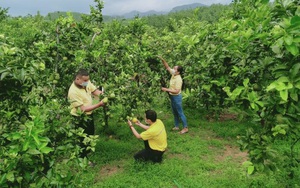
{"x":80,"y":96}
{"x":155,"y":138}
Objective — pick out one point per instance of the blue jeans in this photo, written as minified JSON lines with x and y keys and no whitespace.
{"x":177,"y":110}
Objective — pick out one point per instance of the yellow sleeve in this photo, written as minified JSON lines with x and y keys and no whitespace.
{"x":91,"y":87}
{"x":75,"y":100}
{"x":147,"y":135}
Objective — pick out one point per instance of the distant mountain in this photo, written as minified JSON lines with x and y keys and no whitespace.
{"x":134,"y":13}
{"x":186,"y":7}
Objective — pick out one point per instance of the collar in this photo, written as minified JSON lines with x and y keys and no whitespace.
{"x":175,"y":75}
{"x":78,"y":86}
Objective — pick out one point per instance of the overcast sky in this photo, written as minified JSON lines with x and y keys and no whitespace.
{"x":111,"y":7}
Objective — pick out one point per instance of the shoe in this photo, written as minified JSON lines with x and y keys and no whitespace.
{"x":175,"y":128}
{"x":91,"y":164}
{"x":184,"y":130}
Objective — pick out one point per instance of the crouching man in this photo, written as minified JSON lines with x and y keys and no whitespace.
{"x":154,"y":136}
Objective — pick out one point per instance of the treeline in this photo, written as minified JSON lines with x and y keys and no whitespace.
{"x":209,"y":14}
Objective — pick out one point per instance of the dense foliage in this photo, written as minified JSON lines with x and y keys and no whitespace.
{"x":248,"y":61}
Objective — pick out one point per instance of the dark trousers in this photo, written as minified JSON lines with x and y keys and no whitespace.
{"x":86,"y":122}
{"x":149,"y":154}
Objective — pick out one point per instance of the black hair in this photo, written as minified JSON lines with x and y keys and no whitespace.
{"x":151,"y":114}
{"x":81,"y":72}
{"x":180,"y":69}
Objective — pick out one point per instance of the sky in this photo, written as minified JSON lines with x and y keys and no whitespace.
{"x":111,"y":7}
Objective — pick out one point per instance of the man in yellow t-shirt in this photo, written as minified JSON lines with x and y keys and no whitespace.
{"x":155,"y":138}
{"x":80,"y":97}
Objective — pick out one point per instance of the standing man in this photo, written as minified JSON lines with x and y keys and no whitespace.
{"x":155,"y":138}
{"x":80,"y":96}
{"x":174,"y":91}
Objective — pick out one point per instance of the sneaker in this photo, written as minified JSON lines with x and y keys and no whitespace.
{"x":91,"y":164}
{"x":175,"y":129}
{"x":184,"y":130}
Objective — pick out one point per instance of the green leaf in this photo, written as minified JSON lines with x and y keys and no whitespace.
{"x":246,"y":164}
{"x":3,"y":178}
{"x":284,"y":94}
{"x":295,"y":20}
{"x":260,"y":103}
{"x":206,"y":87}
{"x":288,"y":39}
{"x":10,"y":176}
{"x":245,"y":82}
{"x":46,"y":150}
{"x":36,"y":139}
{"x":295,"y":70}
{"x":42,"y":145}
{"x":293,"y":49}
{"x":280,"y":85}
{"x":33,"y":152}
{"x":255,"y":152}
{"x":250,"y":169}
{"x":252,"y":96}
{"x":236,"y":92}
{"x":19,"y":179}
{"x":61,"y":148}
{"x":276,"y":49}
{"x":297,"y":39}
{"x":298,"y":11}
{"x":282,"y":131}
{"x":265,"y":137}
{"x":297,"y":85}
{"x":295,"y":106}
{"x":294,"y":96}
{"x":3,"y":75}
{"x":16,"y":136}
{"x":273,"y":86}
{"x":215,"y":82}
{"x":253,"y":105}
{"x":283,"y":79}
{"x":25,"y":145}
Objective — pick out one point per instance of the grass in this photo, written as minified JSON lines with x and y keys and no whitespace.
{"x":207,"y":156}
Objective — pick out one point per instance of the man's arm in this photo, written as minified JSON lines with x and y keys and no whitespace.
{"x":142,"y":125}
{"x":136,"y":134}
{"x":173,"y":91}
{"x":165,"y":63}
{"x":97,"y":92}
{"x":91,"y":107}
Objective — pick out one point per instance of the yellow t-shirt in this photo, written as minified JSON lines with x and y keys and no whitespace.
{"x":80,"y":96}
{"x":156,"y":136}
{"x":176,"y":83}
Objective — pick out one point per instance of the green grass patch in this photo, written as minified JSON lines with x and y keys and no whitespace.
{"x":207,"y":156}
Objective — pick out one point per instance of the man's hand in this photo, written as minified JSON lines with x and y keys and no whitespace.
{"x":164,"y":89}
{"x":101,"y":103}
{"x":129,"y":123}
{"x":137,"y":122}
{"x":162,"y":59}
{"x":164,"y":62}
{"x":97,"y":92}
